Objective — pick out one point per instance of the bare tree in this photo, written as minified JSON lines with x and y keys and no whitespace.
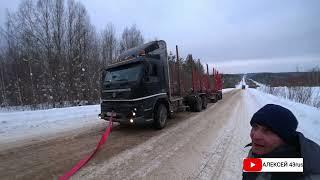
{"x":131,"y":37}
{"x":314,"y":76}
{"x":51,"y":54}
{"x":4,"y":98}
{"x":109,"y":44}
{"x":12,"y":56}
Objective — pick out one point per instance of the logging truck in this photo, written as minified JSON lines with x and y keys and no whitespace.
{"x":144,"y":86}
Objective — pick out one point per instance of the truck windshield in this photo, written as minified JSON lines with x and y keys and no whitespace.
{"x":126,"y":73}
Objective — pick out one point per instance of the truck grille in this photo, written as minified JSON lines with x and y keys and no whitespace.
{"x":122,"y":109}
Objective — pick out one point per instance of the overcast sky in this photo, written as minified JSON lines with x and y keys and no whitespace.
{"x":235,"y":36}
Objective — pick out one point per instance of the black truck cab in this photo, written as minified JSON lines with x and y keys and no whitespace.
{"x":134,"y":88}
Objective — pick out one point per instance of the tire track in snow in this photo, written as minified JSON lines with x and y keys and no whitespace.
{"x":225,"y":161}
{"x":232,"y":164}
{"x":214,"y":164}
{"x":187,"y":136}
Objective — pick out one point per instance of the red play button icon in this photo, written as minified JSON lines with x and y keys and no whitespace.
{"x":252,"y":164}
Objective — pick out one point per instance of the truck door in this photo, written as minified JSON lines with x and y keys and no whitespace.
{"x":152,"y":81}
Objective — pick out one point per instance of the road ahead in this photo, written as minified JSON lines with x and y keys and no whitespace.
{"x":206,"y":145}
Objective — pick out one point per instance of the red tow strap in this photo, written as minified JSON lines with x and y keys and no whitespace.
{"x":84,"y":161}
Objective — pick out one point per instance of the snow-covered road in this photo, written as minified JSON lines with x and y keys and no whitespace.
{"x":195,"y":148}
{"x":206,"y":145}
{"x":209,"y":145}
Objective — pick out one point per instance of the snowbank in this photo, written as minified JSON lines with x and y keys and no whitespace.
{"x":26,"y":124}
{"x":305,"y":95}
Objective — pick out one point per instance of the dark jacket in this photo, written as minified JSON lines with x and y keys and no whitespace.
{"x":303,"y":147}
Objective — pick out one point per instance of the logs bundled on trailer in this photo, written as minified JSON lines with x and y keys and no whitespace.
{"x":189,"y":78}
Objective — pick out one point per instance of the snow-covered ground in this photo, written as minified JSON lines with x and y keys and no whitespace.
{"x":207,"y":145}
{"x":227,"y":90}
{"x":293,"y":93}
{"x":284,"y":92}
{"x":20,"y":125}
{"x":25,"y":124}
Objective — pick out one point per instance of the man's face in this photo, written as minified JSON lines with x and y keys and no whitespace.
{"x":264,"y":140}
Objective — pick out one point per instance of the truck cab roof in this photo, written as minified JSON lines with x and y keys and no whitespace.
{"x":132,"y":55}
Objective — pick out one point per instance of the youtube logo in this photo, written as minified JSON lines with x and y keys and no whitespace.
{"x":252,"y":164}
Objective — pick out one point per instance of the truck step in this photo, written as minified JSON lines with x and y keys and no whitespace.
{"x":176,"y":98}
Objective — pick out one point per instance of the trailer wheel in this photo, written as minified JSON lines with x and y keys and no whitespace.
{"x":219,"y":96}
{"x":198,"y":105}
{"x":214,"y":99}
{"x":160,"y":116}
{"x":204,"y":102}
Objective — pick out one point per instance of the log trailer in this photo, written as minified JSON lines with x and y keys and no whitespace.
{"x":146,"y":87}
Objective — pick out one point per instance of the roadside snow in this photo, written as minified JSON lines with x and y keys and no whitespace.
{"x":309,"y":95}
{"x":287,"y":93}
{"x":20,"y":125}
{"x":227,"y":90}
{"x":257,"y":83}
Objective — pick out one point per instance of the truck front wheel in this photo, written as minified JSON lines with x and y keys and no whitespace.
{"x":160,"y":116}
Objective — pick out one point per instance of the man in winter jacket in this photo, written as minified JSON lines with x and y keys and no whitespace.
{"x":274,"y":135}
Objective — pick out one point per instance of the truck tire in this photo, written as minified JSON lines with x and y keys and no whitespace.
{"x":198,"y":105}
{"x":160,"y":116}
{"x":204,"y":102}
{"x":214,"y":99}
{"x":219,"y":96}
